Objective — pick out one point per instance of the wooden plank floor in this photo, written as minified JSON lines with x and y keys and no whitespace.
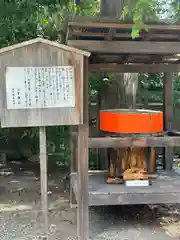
{"x":164,"y":189}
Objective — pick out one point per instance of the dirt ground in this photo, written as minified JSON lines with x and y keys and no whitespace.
{"x":21,"y":218}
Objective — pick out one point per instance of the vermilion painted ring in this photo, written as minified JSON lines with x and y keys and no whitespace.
{"x":131,"y":121}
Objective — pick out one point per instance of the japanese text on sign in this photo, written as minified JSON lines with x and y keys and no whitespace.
{"x":40,"y":87}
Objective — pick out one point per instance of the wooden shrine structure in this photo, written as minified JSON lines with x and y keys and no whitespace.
{"x":112,"y":50}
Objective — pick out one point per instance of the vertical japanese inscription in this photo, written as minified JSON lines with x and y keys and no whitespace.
{"x":40,"y":87}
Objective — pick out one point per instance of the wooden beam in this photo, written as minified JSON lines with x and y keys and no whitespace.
{"x":134,"y":68}
{"x":110,"y":19}
{"x":83,"y":156}
{"x":145,"y":36}
{"x":168,"y":117}
{"x":109,"y":22}
{"x":117,"y":142}
{"x":130,"y":47}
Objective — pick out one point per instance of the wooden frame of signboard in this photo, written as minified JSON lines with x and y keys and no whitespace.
{"x":43,"y":83}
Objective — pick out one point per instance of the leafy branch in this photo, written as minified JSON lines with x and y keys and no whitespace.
{"x":141,"y":11}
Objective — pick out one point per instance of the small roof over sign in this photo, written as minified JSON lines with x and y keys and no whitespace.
{"x":45,"y":41}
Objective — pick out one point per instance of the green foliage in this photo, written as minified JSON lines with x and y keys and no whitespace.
{"x":175,"y":10}
{"x":176,"y":95}
{"x":140,"y":11}
{"x":58,"y":144}
{"x":151,"y":90}
{"x":22,"y":20}
{"x":176,"y":78}
{"x":87,"y":8}
{"x":144,"y":11}
{"x":151,"y":81}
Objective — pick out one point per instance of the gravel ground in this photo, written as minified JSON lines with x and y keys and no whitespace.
{"x":105,"y":224}
{"x":21,"y":218}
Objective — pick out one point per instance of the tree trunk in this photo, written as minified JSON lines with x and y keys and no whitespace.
{"x":120,"y":94}
{"x":122,"y":91}
{"x":112,"y":8}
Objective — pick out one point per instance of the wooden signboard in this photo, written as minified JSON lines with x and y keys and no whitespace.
{"x":41,"y":85}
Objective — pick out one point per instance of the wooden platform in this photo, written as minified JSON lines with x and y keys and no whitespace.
{"x":164,"y":189}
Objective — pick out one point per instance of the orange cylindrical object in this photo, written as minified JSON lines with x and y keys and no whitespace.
{"x":131,"y":121}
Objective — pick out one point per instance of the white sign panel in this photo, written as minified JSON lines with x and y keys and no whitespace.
{"x":40,"y":87}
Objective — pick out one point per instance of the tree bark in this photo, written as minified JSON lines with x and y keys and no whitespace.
{"x":122,"y":92}
{"x":112,"y":8}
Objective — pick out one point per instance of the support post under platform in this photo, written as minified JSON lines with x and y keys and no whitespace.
{"x":168,"y":117}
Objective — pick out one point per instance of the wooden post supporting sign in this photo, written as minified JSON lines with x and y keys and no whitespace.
{"x":44,"y":185}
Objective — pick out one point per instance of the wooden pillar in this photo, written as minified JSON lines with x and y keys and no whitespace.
{"x":83,"y":157}
{"x":44,"y":181}
{"x":73,"y":163}
{"x":168,"y":117}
